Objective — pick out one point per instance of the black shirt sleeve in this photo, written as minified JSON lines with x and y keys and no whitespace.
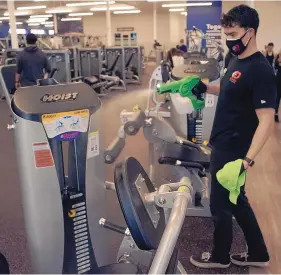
{"x":264,"y":86}
{"x":47,"y":65}
{"x":19,"y":64}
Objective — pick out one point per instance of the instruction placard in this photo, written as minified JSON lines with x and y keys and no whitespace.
{"x":209,"y":100}
{"x":60,"y":123}
{"x":93,"y":144}
{"x":42,"y":155}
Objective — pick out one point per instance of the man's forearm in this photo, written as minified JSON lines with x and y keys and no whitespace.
{"x":261,"y":135}
{"x":213,"y":89}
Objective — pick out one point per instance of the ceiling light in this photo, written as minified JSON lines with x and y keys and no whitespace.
{"x":48,"y":23}
{"x":40,"y":0}
{"x":4,"y":18}
{"x":41,"y":16}
{"x":37,"y":20}
{"x":123,"y":12}
{"x":184,"y":13}
{"x":89,"y":4}
{"x":58,"y":11}
{"x":19,"y":23}
{"x":32,"y":8}
{"x":200,"y":4}
{"x":17,"y":13}
{"x":33,"y":24}
{"x":176,"y":10}
{"x":157,"y":0}
{"x":19,"y":31}
{"x":49,"y":26}
{"x":37,"y":31}
{"x":71,"y":19}
{"x":114,"y":8}
{"x":81,"y":14}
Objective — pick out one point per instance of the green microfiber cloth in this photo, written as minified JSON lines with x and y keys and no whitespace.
{"x":231,"y":179}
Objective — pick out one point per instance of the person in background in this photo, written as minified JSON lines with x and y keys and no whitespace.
{"x":32,"y":64}
{"x":172,"y":53}
{"x":269,"y":54}
{"x":156,"y":44}
{"x":182,"y":46}
{"x":227,"y":59}
{"x":278,"y":82}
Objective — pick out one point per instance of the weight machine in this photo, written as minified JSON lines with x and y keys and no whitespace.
{"x":58,"y":189}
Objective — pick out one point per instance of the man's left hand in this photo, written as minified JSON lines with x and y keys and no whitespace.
{"x":245,"y":164}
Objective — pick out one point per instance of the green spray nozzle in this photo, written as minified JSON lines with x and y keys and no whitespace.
{"x":186,"y":87}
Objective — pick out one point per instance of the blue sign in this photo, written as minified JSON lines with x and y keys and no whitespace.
{"x":204,"y":29}
{"x":68,"y":136}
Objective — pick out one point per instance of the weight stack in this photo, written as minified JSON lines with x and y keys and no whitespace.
{"x":195,"y":130}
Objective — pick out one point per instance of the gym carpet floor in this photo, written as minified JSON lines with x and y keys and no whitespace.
{"x":262,"y":187}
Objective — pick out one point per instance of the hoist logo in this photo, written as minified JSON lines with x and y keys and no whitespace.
{"x":59,"y":97}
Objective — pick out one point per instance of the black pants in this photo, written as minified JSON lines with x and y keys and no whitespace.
{"x":222,"y":211}
{"x":278,"y":94}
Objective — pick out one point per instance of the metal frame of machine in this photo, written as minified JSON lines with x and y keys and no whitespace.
{"x":65,"y":198}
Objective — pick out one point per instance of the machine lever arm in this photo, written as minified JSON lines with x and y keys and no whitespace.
{"x":113,"y":227}
{"x":132,"y":127}
{"x":187,"y":143}
{"x":115,"y":148}
{"x":186,"y":164}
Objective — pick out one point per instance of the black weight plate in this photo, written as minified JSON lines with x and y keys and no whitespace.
{"x":144,"y":233}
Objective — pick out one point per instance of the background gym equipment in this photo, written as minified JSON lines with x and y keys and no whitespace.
{"x":74,"y":66}
{"x":90,"y":62}
{"x":167,"y":148}
{"x":115,"y":64}
{"x":133,"y":64}
{"x":60,"y":59}
{"x":68,"y":201}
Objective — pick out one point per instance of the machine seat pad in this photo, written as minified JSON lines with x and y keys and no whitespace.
{"x":186,"y":153}
{"x":91,"y":80}
{"x":118,"y":268}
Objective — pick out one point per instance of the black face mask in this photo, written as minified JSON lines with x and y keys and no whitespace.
{"x":237,"y":46}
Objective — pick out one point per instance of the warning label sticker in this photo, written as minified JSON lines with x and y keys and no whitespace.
{"x":59,"y":123}
{"x":42,"y":155}
{"x":93,"y":145}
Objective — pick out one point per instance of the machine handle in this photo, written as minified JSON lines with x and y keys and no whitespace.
{"x":114,"y":150}
{"x":110,"y":84}
{"x":171,"y":234}
{"x":186,"y":164}
{"x":132,"y":127}
{"x":113,"y":227}
{"x":109,"y":78}
{"x":187,"y":143}
{"x":77,"y":78}
{"x":53,"y":72}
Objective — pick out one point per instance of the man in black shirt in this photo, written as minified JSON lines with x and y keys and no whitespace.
{"x":32,"y":64}
{"x":243,"y":121}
